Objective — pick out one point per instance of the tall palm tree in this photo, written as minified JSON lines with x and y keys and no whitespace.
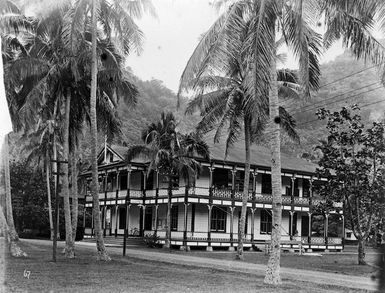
{"x":12,"y":24}
{"x":56,"y":73}
{"x":350,"y":21}
{"x":170,"y":153}
{"x":226,"y":99}
{"x":117,"y":23}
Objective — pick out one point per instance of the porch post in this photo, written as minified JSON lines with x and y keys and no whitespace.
{"x":156,"y":218}
{"x":128,"y":206}
{"x":233,"y":174}
{"x":343,"y":231}
{"x":253,"y":204}
{"x":231,"y":248}
{"x":291,"y":232}
{"x":105,"y":203}
{"x":185,"y":227}
{"x":310,"y":209}
{"x":209,"y":247}
{"x":92,"y":219}
{"x":291,"y":224}
{"x":186,"y":204}
{"x":116,"y":203}
{"x":309,"y":236}
{"x":156,"y":200}
{"x":326,"y":230}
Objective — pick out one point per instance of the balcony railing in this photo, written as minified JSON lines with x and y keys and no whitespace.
{"x":217,"y":193}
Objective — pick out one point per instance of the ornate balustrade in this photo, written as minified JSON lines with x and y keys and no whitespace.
{"x":136,"y":193}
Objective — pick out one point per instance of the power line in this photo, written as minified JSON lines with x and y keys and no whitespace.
{"x":347,"y":76}
{"x":341,"y":94}
{"x":339,"y":100}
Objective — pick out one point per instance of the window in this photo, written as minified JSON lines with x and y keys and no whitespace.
{"x":306,"y":187}
{"x":266,"y":183}
{"x":148,"y":219}
{"x":122,"y":218}
{"x":296,"y":190}
{"x":218,"y":219}
{"x":348,"y":234}
{"x":266,"y":222}
{"x":193,"y":217}
{"x":123,"y":182}
{"x":222,"y":178}
{"x":174,"y":218}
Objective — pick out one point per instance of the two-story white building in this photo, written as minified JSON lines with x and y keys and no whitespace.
{"x":207,"y":214}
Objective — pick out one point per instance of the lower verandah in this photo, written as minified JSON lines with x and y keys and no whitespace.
{"x":222,"y":228}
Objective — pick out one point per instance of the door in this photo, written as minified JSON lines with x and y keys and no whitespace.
{"x":305,"y":225}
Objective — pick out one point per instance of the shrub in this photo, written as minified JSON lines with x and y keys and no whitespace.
{"x":151,"y":240}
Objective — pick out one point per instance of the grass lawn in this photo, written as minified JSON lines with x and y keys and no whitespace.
{"x":338,"y":263}
{"x":85,"y":274}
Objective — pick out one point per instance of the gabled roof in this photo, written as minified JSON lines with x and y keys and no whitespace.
{"x":260,"y":156}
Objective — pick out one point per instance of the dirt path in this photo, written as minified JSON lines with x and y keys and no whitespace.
{"x":317,"y":277}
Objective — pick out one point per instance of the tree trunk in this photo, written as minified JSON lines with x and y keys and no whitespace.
{"x":168,"y":219}
{"x":8,"y":199}
{"x":273,"y":266}
{"x":14,"y":248}
{"x":101,"y":250}
{"x":361,"y":251}
{"x":245,"y":197}
{"x":69,"y":247}
{"x":47,"y":176}
{"x":54,"y":170}
{"x":74,"y":192}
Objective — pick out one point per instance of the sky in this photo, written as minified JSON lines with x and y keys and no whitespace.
{"x":172,"y":37}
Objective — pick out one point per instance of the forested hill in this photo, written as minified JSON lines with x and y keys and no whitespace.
{"x":361,"y":87}
{"x":153,"y":99}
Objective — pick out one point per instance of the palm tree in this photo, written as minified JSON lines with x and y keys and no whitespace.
{"x":56,"y":73}
{"x":170,"y":153}
{"x":116,"y":19}
{"x":225,"y":99}
{"x":12,"y":22}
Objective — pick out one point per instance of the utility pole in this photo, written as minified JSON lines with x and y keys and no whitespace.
{"x":57,"y":174}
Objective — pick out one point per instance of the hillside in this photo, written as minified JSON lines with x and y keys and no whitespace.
{"x":336,"y":91}
{"x":154,"y":98}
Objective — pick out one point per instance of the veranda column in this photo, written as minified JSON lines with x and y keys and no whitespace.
{"x":156,"y":218}
{"x":233,"y":174}
{"x":144,"y":177}
{"x":253,"y":208}
{"x":309,"y":235}
{"x":186,"y":204}
{"x":92,"y":219}
{"x":116,"y":203}
{"x":209,"y":206}
{"x":105,"y":203}
{"x":209,"y":247}
{"x":231,"y":248}
{"x":343,"y":231}
{"x":156,"y":200}
{"x":291,"y":232}
{"x":310,"y":210}
{"x":326,"y":230}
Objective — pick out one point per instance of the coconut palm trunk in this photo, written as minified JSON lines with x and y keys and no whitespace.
{"x":47,"y":177}
{"x":101,"y":250}
{"x":245,"y":197}
{"x":273,"y":266}
{"x":8,"y":199}
{"x":69,"y":247}
{"x":74,"y":192}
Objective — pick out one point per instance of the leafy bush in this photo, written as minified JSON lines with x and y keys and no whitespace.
{"x":151,"y":240}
